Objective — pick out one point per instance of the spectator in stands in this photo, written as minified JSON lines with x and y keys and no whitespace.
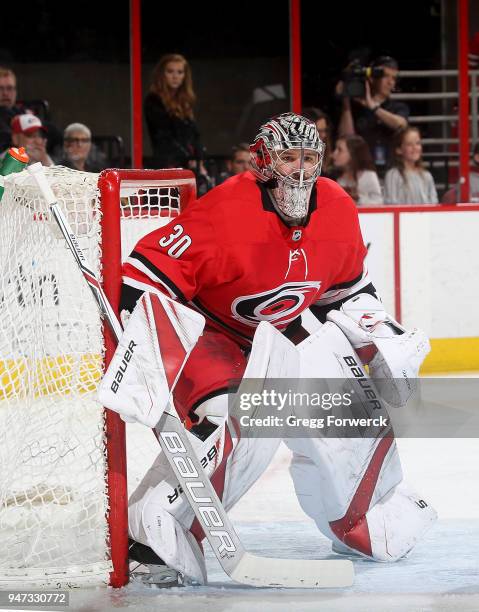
{"x":375,"y":117}
{"x":170,"y":120}
{"x":169,"y":114}
{"x":10,"y":107}
{"x":240,"y":159}
{"x":355,"y":170}
{"x":407,"y":182}
{"x":325,"y":130}
{"x":28,"y":131}
{"x":78,"y":151}
{"x":453,"y":195}
{"x":238,"y":162}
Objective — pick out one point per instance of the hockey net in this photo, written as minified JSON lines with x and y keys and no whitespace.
{"x":62,"y":480}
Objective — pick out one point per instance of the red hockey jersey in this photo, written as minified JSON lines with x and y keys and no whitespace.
{"x":230,"y":256}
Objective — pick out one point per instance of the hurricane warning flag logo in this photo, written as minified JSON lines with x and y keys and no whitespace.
{"x":278,"y":306}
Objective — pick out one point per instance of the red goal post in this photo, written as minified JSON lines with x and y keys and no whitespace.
{"x":110,"y":184}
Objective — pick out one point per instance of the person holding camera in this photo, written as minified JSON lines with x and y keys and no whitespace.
{"x":367,"y":108}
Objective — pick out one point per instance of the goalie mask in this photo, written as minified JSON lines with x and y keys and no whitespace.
{"x":288,"y":153}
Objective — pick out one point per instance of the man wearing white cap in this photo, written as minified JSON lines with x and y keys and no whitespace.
{"x":29,"y":132}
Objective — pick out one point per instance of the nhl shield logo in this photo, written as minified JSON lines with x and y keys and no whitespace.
{"x":296,"y":235}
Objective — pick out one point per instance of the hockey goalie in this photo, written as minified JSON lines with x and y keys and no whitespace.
{"x":247,"y":259}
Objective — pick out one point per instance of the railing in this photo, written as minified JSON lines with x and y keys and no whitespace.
{"x":441,"y":153}
{"x":444,"y":119}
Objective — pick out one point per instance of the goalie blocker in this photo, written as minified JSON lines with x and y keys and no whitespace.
{"x":352,"y":488}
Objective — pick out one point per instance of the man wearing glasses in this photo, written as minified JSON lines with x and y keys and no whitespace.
{"x":78,"y":153}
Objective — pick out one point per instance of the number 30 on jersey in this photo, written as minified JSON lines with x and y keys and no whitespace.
{"x":177,"y":241}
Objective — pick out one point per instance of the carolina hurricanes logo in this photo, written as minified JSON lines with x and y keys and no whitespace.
{"x":278,"y":306}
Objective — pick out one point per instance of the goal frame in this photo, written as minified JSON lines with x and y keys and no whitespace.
{"x":109,"y":185}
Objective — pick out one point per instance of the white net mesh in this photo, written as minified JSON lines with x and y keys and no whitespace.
{"x":53,"y":500}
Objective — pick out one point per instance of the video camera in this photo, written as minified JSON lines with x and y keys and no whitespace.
{"x":354,"y":78}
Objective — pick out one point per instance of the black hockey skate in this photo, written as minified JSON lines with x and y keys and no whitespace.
{"x":146,"y":565}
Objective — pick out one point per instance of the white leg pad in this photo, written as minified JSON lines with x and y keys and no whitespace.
{"x":397,"y":522}
{"x":178,"y":548}
{"x":159,"y":515}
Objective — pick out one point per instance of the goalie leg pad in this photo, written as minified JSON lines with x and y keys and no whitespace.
{"x":275,"y":357}
{"x":338,"y":479}
{"x":385,"y":530}
{"x":158,"y":511}
{"x":341,"y":463}
{"x":160,"y":515}
{"x":351,"y":486}
{"x":172,"y":542}
{"x":211,"y":451}
{"x":393,"y":526}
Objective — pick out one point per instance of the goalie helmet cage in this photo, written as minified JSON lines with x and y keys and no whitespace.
{"x":63,"y":467}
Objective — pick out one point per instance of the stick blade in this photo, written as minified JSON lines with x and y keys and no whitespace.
{"x":293,"y":573}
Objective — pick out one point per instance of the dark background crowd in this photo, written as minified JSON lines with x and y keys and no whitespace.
{"x":72,"y":72}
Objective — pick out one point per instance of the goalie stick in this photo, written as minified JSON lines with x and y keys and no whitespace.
{"x":241,"y":566}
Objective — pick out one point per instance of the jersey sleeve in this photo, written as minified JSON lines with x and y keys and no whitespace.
{"x":177,"y":259}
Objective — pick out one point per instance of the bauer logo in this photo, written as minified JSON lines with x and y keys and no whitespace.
{"x":197,"y":492}
{"x":363,"y":381}
{"x":78,"y":250}
{"x":208,"y":458}
{"x":115,"y":385}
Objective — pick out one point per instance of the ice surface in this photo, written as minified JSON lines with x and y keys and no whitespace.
{"x":442,"y":572}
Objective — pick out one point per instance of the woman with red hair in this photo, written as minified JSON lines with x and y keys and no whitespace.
{"x":168,"y":109}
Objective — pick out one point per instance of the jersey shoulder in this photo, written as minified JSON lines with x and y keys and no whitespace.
{"x":241,"y":187}
{"x":335,"y":218}
{"x":329,"y":194}
{"x":234,"y":204}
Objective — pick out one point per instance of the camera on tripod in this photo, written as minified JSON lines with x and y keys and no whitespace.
{"x":354,"y":78}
